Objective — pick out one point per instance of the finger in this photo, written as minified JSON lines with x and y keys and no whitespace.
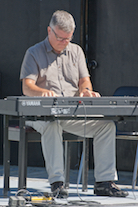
{"x":97,"y":95}
{"x":81,"y":95}
{"x":49,"y":94}
{"x":94,"y":94}
{"x":54,"y":94}
{"x":44,"y":94}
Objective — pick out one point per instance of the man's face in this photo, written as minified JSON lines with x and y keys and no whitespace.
{"x":58,"y":38}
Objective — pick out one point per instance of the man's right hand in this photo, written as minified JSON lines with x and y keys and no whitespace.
{"x":31,"y":89}
{"x":49,"y":93}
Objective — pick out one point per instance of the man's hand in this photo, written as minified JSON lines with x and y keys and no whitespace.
{"x":49,"y":93}
{"x":85,"y":88}
{"x":31,"y":89}
{"x":88,"y":93}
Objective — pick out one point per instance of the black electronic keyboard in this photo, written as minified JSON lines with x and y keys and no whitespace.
{"x":69,"y":106}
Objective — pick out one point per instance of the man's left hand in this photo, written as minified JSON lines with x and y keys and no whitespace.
{"x":88,"y":93}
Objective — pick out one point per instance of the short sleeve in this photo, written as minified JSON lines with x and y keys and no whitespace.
{"x":29,"y":68}
{"x":82,"y":66}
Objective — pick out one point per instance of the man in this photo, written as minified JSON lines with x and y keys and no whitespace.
{"x":56,"y":67}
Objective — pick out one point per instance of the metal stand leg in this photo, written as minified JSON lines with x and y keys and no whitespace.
{"x":67,"y":163}
{"x":22,"y":158}
{"x":80,"y":169}
{"x":85,"y":164}
{"x":83,"y":169}
{"x":6,"y":155}
{"x":134,"y":180}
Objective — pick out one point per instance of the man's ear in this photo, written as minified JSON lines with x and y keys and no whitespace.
{"x":48,"y":29}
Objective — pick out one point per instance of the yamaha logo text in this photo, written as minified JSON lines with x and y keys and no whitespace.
{"x":31,"y":103}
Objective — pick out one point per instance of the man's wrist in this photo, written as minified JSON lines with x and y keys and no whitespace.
{"x":84,"y":89}
{"x":87,"y":89}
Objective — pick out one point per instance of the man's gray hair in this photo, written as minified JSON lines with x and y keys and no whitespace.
{"x":63,"y":20}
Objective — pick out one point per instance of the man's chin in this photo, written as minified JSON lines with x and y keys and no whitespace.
{"x":62,"y":47}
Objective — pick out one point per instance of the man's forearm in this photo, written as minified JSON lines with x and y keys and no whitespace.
{"x":31,"y":89}
{"x":85,"y":83}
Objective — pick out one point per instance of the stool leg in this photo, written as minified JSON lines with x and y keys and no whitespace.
{"x":135,"y":170}
{"x":22,"y":155}
{"x":67,"y":163}
{"x":6,"y":156}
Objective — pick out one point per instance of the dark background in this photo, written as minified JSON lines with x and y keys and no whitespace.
{"x":107,"y":31}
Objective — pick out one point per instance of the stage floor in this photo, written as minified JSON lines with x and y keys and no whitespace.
{"x":37,"y":182}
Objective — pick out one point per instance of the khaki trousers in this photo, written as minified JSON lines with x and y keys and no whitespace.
{"x":103,"y":134}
